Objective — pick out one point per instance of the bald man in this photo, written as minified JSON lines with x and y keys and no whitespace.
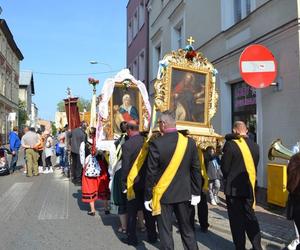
{"x":130,"y":152}
{"x":238,"y":164}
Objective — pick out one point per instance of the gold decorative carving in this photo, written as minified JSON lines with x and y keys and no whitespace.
{"x":188,"y":60}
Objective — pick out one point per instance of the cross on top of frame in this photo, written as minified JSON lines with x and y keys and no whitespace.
{"x":190,"y":40}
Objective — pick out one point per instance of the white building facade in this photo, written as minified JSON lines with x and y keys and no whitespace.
{"x":222,"y":30}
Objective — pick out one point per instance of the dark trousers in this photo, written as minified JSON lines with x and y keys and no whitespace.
{"x":14,"y":160}
{"x":76,"y":168}
{"x":133,"y":206}
{"x":48,"y":162}
{"x":40,"y":160}
{"x":203,"y":211}
{"x":183,"y":212}
{"x":242,"y":220}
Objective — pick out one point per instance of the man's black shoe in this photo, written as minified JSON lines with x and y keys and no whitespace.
{"x":129,"y":242}
{"x":77,"y":183}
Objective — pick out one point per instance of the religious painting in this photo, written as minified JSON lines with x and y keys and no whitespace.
{"x":188,"y":95}
{"x":186,"y":85}
{"x":125,"y":106}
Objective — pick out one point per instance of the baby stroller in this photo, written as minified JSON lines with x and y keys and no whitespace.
{"x":4,"y":166}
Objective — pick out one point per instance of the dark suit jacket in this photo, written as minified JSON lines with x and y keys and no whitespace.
{"x":130,"y":151}
{"x":236,"y":179}
{"x":77,"y":136}
{"x":188,"y":179}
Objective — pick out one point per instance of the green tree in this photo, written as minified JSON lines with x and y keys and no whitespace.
{"x":53,"y":128}
{"x":23,"y":116}
{"x":82,"y":103}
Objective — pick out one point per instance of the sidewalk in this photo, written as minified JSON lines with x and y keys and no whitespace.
{"x":277,"y":231}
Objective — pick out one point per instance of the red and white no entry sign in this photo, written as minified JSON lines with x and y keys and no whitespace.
{"x":258,"y":66}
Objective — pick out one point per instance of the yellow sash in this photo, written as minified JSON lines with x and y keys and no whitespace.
{"x":169,"y":173}
{"x":138,"y":163}
{"x":249,"y":163}
{"x":203,"y":170}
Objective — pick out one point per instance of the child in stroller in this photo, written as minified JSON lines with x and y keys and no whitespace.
{"x":4,"y":166}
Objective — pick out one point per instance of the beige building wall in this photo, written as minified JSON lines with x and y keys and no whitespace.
{"x":212,"y":24}
{"x":9,"y":86}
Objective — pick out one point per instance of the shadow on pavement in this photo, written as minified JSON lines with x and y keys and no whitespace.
{"x":210,"y":240}
{"x":114,"y":222}
{"x":82,"y":206}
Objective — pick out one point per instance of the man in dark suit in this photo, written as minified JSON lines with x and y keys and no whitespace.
{"x":239,"y":182}
{"x":77,"y":136}
{"x":130,"y":152}
{"x":182,"y":190}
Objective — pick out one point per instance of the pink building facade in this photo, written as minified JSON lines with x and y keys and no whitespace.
{"x":137,"y":39}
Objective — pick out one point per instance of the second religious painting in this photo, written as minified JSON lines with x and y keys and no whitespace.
{"x":188,"y":95}
{"x":125,"y":106}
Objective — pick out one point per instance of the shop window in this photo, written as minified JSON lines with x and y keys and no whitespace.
{"x":244,"y":106}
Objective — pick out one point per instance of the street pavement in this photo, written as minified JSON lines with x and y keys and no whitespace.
{"x":46,"y":212}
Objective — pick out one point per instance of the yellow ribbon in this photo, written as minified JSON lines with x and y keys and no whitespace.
{"x":203,"y":169}
{"x":249,"y":163}
{"x":169,"y":173}
{"x":137,"y":165}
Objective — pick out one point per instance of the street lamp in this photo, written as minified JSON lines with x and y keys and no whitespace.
{"x":96,"y":62}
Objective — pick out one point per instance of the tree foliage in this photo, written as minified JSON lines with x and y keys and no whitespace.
{"x":82,"y":103}
{"x":53,"y":128}
{"x":23,"y":116}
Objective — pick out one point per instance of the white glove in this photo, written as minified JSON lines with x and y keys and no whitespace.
{"x":148,"y":205}
{"x":125,"y":191}
{"x":195,"y":199}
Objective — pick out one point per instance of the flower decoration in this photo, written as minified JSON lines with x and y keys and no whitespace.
{"x":93,"y":81}
{"x":190,"y":55}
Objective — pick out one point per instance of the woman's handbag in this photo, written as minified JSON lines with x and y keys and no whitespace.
{"x":92,"y":168}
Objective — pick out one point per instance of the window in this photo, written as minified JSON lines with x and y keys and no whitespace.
{"x":129,"y":34}
{"x":242,"y":8}
{"x":135,"y":24}
{"x":156,"y":59}
{"x":244,"y":105}
{"x":232,"y":11}
{"x":142,"y":66}
{"x":141,"y":14}
{"x":135,"y":69}
{"x":177,"y":42}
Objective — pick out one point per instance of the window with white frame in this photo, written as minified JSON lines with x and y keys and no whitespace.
{"x":232,"y":11}
{"x":142,"y":66}
{"x":177,"y":37}
{"x":135,"y":24}
{"x":156,"y":58}
{"x":242,"y":8}
{"x":129,"y":32}
{"x":141,"y":14}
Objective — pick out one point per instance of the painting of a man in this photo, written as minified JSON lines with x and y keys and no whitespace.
{"x":188,"y":95}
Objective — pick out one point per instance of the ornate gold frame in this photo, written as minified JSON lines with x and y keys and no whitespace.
{"x":143,"y":114}
{"x":203,"y":133}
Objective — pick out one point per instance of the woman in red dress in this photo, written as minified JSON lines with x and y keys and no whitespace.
{"x":94,"y":188}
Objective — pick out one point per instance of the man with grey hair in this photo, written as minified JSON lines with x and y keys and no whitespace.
{"x":28,"y":142}
{"x":173,"y":182}
{"x":238,"y":165}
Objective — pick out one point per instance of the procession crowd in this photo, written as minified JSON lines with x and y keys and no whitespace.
{"x":151,"y":181}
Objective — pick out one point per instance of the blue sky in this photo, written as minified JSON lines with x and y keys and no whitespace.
{"x":61,"y":37}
